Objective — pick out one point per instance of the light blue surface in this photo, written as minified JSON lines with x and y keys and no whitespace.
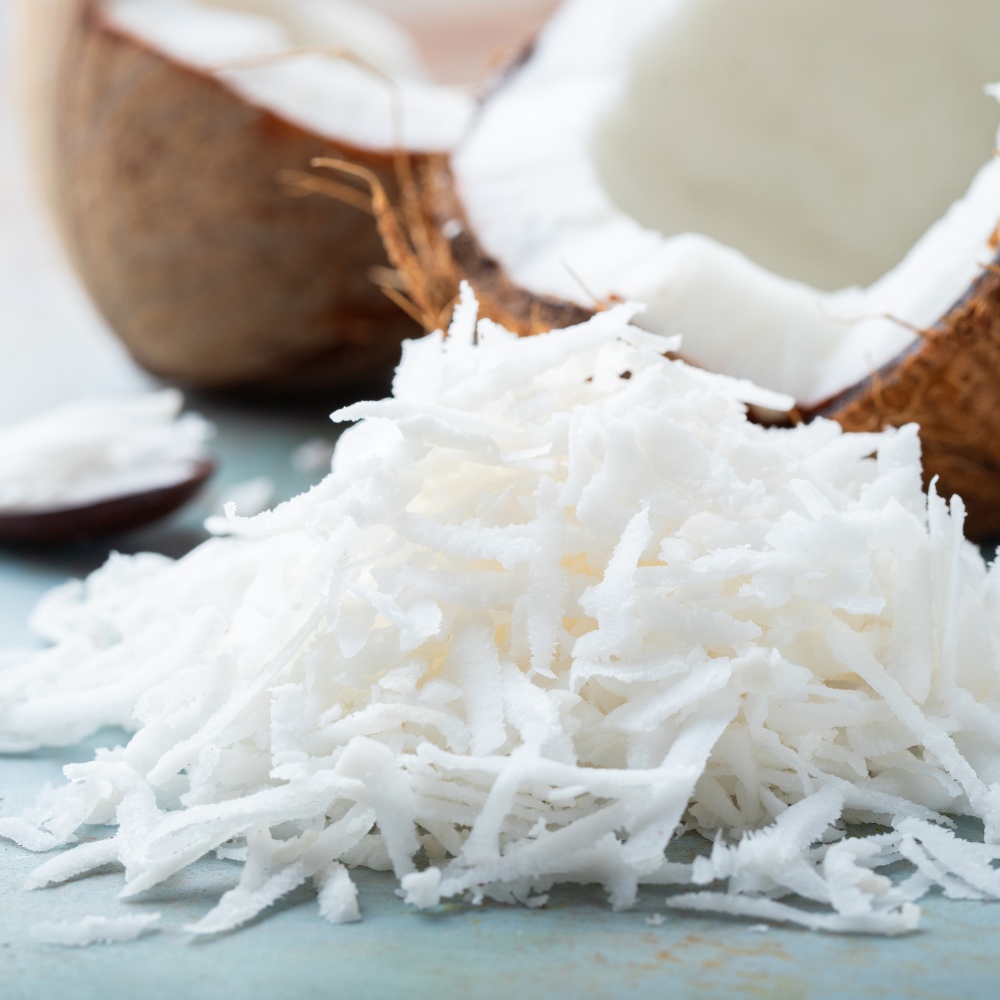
{"x":576,"y":948}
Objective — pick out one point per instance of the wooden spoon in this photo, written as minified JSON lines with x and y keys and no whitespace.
{"x":66,"y":525}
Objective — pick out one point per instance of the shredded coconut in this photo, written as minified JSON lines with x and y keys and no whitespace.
{"x":97,"y":449}
{"x":541,"y":619}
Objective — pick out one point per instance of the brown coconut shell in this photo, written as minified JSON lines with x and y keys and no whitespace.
{"x":948,"y":381}
{"x":172,"y":194}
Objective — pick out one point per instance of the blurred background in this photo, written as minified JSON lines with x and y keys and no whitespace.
{"x":55,"y":347}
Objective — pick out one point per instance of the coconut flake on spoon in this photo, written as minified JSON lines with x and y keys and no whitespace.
{"x":100,"y":466}
{"x":759,"y":176}
{"x":173,"y":142}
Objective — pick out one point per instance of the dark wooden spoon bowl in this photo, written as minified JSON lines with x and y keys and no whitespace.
{"x":70,"y":525}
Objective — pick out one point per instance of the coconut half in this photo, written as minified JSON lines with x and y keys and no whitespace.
{"x":176,"y":136}
{"x":777,"y":183}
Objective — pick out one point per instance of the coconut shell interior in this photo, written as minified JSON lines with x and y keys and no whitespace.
{"x":213,"y":271}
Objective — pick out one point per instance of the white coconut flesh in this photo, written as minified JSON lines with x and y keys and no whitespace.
{"x":753,"y":173}
{"x":338,"y":69}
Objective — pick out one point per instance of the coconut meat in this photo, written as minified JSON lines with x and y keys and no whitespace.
{"x":752,"y":173}
{"x":333,"y":67}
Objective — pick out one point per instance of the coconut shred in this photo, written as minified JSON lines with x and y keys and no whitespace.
{"x":541,"y":620}
{"x":100,"y":449}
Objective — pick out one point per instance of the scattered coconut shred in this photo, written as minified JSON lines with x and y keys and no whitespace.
{"x":542,"y":619}
{"x":95,"y":930}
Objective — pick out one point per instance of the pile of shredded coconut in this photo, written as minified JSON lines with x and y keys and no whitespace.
{"x":97,"y":449}
{"x":558,"y":603}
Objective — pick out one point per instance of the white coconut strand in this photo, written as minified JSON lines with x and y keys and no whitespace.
{"x":69,"y":864}
{"x":539,"y":620}
{"x":901,"y":922}
{"x":95,"y":930}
